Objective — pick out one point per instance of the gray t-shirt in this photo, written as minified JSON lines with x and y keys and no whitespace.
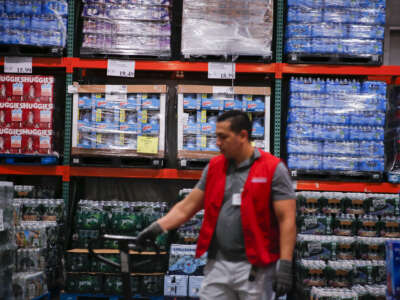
{"x":228,"y":236}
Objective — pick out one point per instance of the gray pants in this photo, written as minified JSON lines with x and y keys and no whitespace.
{"x":226,"y":280}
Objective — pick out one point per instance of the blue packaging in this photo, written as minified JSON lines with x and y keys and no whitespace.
{"x":189,"y":143}
{"x":59,"y":7}
{"x":191,"y":101}
{"x":258,"y":128}
{"x":309,"y":15}
{"x":303,"y":146}
{"x":86,"y":136}
{"x":393,"y":268}
{"x":256,"y":104}
{"x":298,"y":45}
{"x":366,"y":133}
{"x":343,"y":86}
{"x":329,"y":116}
{"x":211,"y":104}
{"x":85,"y":101}
{"x":211,"y":144}
{"x":4,"y":22}
{"x":372,"y":164}
{"x":334,"y":15}
{"x":207,"y":128}
{"x":341,"y":148}
{"x":330,"y":132}
{"x":298,"y":130}
{"x":128,"y":116}
{"x":328,"y":30}
{"x":310,"y":100}
{"x":107,"y":140}
{"x":356,"y":31}
{"x":36,"y":22}
{"x":234,"y":104}
{"x":304,"y":84}
{"x":374,"y":87}
{"x":36,"y":7}
{"x":2,"y":7}
{"x":368,"y":118}
{"x":106,"y":127}
{"x":191,"y":128}
{"x":371,"y":16}
{"x":324,"y":45}
{"x":10,"y":7}
{"x":301,"y":115}
{"x":131,"y":128}
{"x":307,"y":3}
{"x":372,"y":3}
{"x":107,"y":116}
{"x":304,"y":162}
{"x":150,"y":103}
{"x":372,"y":148}
{"x":339,"y":163}
{"x":299,"y":30}
{"x":150,"y":128}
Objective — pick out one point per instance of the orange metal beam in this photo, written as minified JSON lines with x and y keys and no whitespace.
{"x":341,"y":70}
{"x":357,"y":187}
{"x":35,"y":170}
{"x":134,"y":173}
{"x":45,"y":62}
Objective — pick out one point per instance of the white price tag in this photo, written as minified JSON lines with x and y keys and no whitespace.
{"x":1,"y":220}
{"x":227,"y":90}
{"x":116,"y":98}
{"x":121,"y":68}
{"x":72,"y":89}
{"x":18,"y":65}
{"x":221,"y":70}
{"x":116,"y":89}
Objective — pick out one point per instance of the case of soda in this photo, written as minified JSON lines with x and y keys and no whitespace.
{"x":127,"y":28}
{"x":336,"y":125}
{"x":234,"y":27}
{"x":338,"y":27}
{"x":26,"y":114}
{"x":34,"y":22}
{"x":108,"y":123}
{"x":198,"y":111}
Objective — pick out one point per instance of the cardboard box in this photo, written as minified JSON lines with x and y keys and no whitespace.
{"x":194,"y":286}
{"x":175,"y":285}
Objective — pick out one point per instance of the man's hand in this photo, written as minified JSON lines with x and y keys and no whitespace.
{"x":283,"y":277}
{"x":149,"y":234}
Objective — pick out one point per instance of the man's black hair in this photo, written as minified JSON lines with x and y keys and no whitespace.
{"x":239,"y":121}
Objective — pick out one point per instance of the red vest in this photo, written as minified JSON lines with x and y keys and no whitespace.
{"x":260,"y":227}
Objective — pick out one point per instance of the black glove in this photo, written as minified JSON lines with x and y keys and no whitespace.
{"x":148,"y":234}
{"x":283,"y":278}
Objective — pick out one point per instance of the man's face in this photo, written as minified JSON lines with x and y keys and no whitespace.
{"x":229,"y":142}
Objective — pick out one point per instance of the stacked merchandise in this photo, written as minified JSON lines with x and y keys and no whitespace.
{"x":7,"y":240}
{"x":341,"y":246}
{"x":94,"y":218}
{"x":26,"y":114}
{"x":39,"y":224}
{"x":127,"y":27}
{"x":234,"y":27}
{"x":119,"y":120}
{"x":336,"y":125}
{"x":198,"y":110}
{"x":185,"y":272}
{"x":35,"y":23}
{"x":352,"y":28}
{"x":393,"y":267}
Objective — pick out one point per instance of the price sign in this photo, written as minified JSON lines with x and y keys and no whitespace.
{"x":116,"y":97}
{"x":147,"y":144}
{"x":116,"y":89}
{"x":221,"y":70}
{"x":121,"y":68}
{"x":18,"y":65}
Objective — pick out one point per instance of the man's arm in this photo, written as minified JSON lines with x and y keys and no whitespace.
{"x":285,"y":211}
{"x":183,"y":210}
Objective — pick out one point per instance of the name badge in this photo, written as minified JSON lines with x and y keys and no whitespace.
{"x":259,"y":180}
{"x":236,"y":199}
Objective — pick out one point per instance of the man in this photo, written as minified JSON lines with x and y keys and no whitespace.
{"x":249,"y":226}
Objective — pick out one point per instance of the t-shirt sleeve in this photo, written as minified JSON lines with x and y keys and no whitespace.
{"x":201,"y":184}
{"x":282,"y":186}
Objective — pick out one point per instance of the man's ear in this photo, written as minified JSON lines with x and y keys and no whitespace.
{"x":244,"y":134}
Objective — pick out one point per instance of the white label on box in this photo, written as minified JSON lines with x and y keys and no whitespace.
{"x":185,"y":118}
{"x":121,"y":68}
{"x":175,"y":285}
{"x":221,"y":70}
{"x":116,"y":89}
{"x":194,"y":286}
{"x":178,"y":249}
{"x":116,"y":98}
{"x":18,"y":65}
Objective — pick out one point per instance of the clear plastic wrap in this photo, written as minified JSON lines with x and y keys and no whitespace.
{"x":336,"y":125}
{"x":36,"y":23}
{"x":106,"y":123}
{"x":338,"y":27}
{"x":28,"y":286}
{"x":211,"y":27}
{"x":198,"y":111}
{"x":135,"y":28}
{"x":26,"y":115}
